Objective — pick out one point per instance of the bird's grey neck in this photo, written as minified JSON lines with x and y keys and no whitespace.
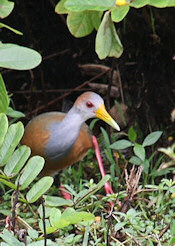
{"x":63,"y":135}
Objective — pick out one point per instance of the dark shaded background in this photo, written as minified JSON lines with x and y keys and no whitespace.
{"x":147,"y":68}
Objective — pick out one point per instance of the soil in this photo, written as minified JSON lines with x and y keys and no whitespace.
{"x":146,"y":67}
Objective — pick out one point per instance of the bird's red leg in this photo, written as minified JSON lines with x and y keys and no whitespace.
{"x":64,"y":193}
{"x":107,"y":185}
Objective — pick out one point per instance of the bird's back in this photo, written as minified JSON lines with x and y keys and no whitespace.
{"x":36,"y":136}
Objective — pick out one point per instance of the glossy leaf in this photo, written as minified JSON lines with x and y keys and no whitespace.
{"x":57,"y":201}
{"x":38,"y":189}
{"x":139,"y":151}
{"x":18,"y":57}
{"x":82,"y":5}
{"x":80,"y":23}
{"x":121,"y":144}
{"x":151,"y":138}
{"x":31,"y":171}
{"x":17,"y":160}
{"x":75,"y":217}
{"x":119,"y":13}
{"x":132,"y":135}
{"x":11,"y":140}
{"x":6,"y":8}
{"x":3,"y":127}
{"x":4,"y":99}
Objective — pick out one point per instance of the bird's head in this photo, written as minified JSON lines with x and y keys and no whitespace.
{"x":91,"y":105}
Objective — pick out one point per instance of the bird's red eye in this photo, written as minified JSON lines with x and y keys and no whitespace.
{"x":89,"y":104}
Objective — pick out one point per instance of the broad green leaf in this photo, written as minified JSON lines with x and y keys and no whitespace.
{"x":47,"y":211}
{"x":82,"y":5}
{"x":31,"y":171}
{"x":79,"y":23}
{"x":55,"y":215}
{"x":132,"y":135}
{"x":4,"y":99}
{"x":60,"y":8}
{"x":75,"y":217}
{"x":162,"y":3}
{"x":17,"y":160}
{"x":10,"y":28}
{"x":116,"y":45}
{"x":6,"y":8}
{"x":18,"y":57}
{"x":14,"y":113}
{"x":151,"y":138}
{"x":107,"y":41}
{"x":9,"y":238}
{"x":3,"y":127}
{"x":55,"y":201}
{"x":139,"y":3}
{"x":135,"y":160}
{"x":121,"y":144}
{"x":119,"y":13}
{"x":39,"y":189}
{"x":104,"y":37}
{"x":33,"y":233}
{"x":96,"y":18}
{"x":139,"y":151}
{"x":11,"y":140}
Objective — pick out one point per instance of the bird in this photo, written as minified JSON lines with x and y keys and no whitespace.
{"x":64,"y":139}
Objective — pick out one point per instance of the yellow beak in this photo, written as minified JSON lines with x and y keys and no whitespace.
{"x":102,"y":114}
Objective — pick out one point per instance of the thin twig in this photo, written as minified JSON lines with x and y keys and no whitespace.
{"x":44,"y":222}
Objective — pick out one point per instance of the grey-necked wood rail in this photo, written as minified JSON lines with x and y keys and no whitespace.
{"x":63,"y":139}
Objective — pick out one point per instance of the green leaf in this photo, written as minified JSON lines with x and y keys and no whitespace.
{"x":39,"y":189}
{"x":57,"y":201}
{"x":3,"y":126}
{"x":9,"y":184}
{"x":132,"y":135}
{"x":4,"y":99}
{"x":6,"y":8}
{"x":79,"y":23}
{"x":17,"y":160}
{"x":162,"y":3}
{"x":18,"y":57}
{"x":33,"y":233}
{"x":11,"y":140}
{"x":96,"y":18}
{"x":104,"y":37}
{"x":9,"y":238}
{"x":151,"y":138}
{"x":10,"y":28}
{"x":135,"y":160}
{"x":82,"y":5}
{"x":75,"y":217}
{"x":60,"y":8}
{"x":107,"y":40}
{"x":121,"y":144}
{"x":31,"y":170}
{"x":119,"y":13}
{"x":14,"y":113}
{"x":55,"y":215}
{"x":116,"y":46}
{"x":139,"y":3}
{"x":139,"y":151}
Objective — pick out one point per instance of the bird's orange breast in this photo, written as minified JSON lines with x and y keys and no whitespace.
{"x":37,"y":135}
